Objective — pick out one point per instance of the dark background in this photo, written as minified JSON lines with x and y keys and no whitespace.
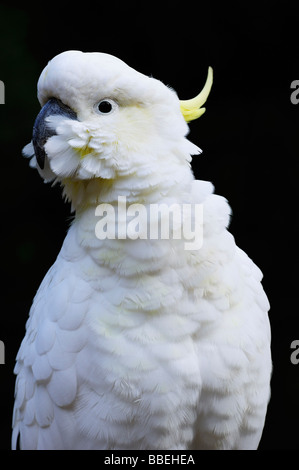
{"x":249,"y":137}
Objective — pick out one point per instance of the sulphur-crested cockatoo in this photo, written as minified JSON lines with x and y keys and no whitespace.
{"x":150,"y":331}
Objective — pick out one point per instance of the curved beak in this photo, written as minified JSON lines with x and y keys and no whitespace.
{"x":42,"y":132}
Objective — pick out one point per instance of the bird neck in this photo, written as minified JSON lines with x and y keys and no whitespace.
{"x":155,"y":187}
{"x":109,"y":210}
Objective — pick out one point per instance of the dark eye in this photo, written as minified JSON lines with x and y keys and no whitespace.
{"x":105,"y":106}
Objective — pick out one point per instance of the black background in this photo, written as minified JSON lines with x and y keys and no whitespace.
{"x":249,"y":137}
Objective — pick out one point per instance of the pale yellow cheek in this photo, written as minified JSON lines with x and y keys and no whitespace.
{"x":135,"y":126}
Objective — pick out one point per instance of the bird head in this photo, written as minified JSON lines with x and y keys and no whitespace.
{"x":101,"y":119}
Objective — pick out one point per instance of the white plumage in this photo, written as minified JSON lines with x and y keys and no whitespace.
{"x":136,"y":344}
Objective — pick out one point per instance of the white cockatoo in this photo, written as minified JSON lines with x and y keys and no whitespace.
{"x":137,"y":339}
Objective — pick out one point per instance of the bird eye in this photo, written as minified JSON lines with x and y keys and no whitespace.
{"x":105,"y":106}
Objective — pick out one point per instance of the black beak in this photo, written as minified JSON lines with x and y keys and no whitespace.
{"x":41,"y":132}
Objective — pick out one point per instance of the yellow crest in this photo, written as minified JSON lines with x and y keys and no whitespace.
{"x":191,"y":109}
